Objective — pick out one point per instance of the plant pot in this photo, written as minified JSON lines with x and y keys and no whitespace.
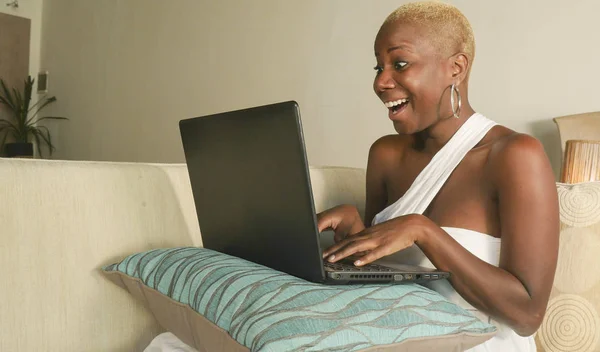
{"x":19,"y":150}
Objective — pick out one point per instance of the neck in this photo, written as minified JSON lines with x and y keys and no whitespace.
{"x":437,"y":135}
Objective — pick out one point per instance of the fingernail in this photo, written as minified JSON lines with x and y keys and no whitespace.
{"x":358,"y":262}
{"x":332,"y":257}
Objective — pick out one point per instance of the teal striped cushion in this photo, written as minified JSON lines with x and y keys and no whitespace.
{"x":267,"y":310}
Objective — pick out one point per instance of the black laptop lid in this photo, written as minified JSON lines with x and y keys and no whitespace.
{"x":251,"y":187}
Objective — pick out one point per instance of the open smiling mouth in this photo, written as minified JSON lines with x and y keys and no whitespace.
{"x":396,"y":106}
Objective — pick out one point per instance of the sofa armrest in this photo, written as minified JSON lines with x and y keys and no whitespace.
{"x":60,"y":223}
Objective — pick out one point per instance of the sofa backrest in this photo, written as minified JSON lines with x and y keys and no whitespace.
{"x":61,"y":221}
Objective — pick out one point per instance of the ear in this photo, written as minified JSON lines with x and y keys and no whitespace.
{"x":460,"y":65}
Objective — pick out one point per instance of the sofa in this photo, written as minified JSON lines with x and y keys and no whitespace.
{"x":62,"y":221}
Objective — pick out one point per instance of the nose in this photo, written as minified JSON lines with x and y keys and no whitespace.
{"x":384,"y":81}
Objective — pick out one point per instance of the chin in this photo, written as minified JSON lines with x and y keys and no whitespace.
{"x":405,"y":127}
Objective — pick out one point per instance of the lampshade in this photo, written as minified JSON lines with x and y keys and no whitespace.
{"x":581,"y":161}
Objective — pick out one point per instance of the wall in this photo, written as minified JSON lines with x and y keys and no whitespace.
{"x":126,"y":72}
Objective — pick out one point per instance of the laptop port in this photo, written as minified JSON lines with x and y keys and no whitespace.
{"x":435,"y":276}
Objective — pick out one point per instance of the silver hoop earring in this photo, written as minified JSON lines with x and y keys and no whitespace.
{"x":452,"y":90}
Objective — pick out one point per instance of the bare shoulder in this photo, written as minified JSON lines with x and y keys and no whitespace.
{"x":518,"y":153}
{"x":387,"y":148}
{"x":524,"y":183}
{"x":383,"y":159}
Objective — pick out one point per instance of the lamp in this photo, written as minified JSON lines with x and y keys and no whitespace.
{"x":581,"y":161}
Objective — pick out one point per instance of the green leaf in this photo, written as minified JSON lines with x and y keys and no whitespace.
{"x":4,"y":129}
{"x":6,"y":102}
{"x":7,"y":130}
{"x":9,"y":127}
{"x":7,"y":98}
{"x":48,"y":118}
{"x":3,"y":139}
{"x":37,"y":143}
{"x":46,"y":138}
{"x":27,"y":91}
{"x":18,"y":104}
{"x":6,"y":122}
{"x":45,"y":103}
{"x":40,"y":100}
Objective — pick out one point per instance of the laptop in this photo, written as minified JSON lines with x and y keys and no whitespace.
{"x":251,"y":186}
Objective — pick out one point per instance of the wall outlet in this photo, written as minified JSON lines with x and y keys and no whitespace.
{"x":42,"y":82}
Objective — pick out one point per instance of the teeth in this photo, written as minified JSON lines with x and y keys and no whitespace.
{"x":390,"y":104}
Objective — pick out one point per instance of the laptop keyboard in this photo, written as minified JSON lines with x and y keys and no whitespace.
{"x":340,"y":266}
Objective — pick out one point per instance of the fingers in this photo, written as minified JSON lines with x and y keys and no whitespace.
{"x":329,"y":219}
{"x":333,"y":217}
{"x":361,"y":254}
{"x":324,"y":225}
{"x":322,"y":222}
{"x":343,"y":232}
{"x":339,"y":236}
{"x":326,"y":221}
{"x":342,"y":240}
{"x":373,"y":256}
{"x":348,"y":248}
{"x":329,"y":251}
{"x":373,"y":243}
{"x":383,"y":250}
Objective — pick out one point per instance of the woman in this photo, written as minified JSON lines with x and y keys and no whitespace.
{"x":452,"y":189}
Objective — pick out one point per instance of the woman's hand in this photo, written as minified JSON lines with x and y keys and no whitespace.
{"x":379,"y":241}
{"x":344,"y":220}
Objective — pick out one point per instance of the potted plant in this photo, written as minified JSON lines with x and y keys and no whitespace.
{"x":22,"y":123}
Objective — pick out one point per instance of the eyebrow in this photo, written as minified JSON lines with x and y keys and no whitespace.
{"x":399,"y":47}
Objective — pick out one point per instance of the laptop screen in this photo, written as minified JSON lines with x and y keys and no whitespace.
{"x":251,"y":187}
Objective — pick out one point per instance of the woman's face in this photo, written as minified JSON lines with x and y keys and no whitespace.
{"x":411,"y":77}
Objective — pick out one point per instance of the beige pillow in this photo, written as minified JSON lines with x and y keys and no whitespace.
{"x":572,"y":320}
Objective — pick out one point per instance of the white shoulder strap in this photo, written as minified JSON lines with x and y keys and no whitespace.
{"x":429,"y":182}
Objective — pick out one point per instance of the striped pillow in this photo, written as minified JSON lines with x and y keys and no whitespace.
{"x":216,"y":302}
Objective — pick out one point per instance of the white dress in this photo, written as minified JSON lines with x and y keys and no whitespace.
{"x":487,"y":248}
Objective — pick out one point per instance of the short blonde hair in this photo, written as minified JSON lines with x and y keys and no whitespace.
{"x":445,"y":25}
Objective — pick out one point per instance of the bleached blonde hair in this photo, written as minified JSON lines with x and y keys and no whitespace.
{"x":446,"y":26}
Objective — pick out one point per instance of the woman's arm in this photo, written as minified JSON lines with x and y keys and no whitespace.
{"x":517,"y":291}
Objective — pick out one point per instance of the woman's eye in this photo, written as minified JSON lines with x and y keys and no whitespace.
{"x":400,"y":65}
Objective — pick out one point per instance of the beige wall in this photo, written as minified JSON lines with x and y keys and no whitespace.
{"x":125,"y":72}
